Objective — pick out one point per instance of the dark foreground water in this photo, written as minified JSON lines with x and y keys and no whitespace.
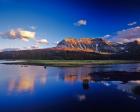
{"x":68,"y":89}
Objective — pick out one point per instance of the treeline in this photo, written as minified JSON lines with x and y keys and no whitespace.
{"x":67,"y":55}
{"x":51,"y":54}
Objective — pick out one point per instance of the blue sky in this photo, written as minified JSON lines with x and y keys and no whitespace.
{"x":54,"y":20}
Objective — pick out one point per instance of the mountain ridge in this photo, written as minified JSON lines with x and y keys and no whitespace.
{"x":83,"y":48}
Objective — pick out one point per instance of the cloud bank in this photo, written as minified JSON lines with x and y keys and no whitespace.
{"x":37,"y":45}
{"x":127,"y":35}
{"x":18,"y":34}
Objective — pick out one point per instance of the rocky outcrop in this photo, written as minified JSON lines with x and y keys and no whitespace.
{"x":94,"y":44}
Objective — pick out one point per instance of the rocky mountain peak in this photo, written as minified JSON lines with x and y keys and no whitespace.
{"x":95,"y":44}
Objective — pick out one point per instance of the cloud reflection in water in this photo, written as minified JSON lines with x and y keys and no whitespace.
{"x":26,"y":79}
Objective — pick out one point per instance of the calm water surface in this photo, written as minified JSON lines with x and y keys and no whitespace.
{"x":67,"y":89}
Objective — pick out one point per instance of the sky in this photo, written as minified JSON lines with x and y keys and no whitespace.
{"x":29,"y":24}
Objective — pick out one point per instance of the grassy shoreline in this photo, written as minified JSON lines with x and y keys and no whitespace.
{"x":71,"y":62}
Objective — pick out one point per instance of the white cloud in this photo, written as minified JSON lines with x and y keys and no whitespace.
{"x":42,"y":41}
{"x":18,"y":34}
{"x":81,"y":22}
{"x":107,"y":36}
{"x":26,"y":34}
{"x":37,"y":45}
{"x":132,"y":23}
{"x":127,"y":35}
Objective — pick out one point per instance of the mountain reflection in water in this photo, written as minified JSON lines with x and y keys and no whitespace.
{"x":76,"y":88}
{"x":28,"y":76}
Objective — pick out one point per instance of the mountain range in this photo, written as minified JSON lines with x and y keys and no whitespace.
{"x":83,"y":48}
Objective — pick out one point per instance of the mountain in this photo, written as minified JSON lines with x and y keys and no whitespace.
{"x":86,"y":44}
{"x":10,"y":49}
{"x":83,"y":48}
{"x":90,"y":44}
{"x":131,"y":50}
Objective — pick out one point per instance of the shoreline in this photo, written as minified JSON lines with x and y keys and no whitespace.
{"x":69,"y":63}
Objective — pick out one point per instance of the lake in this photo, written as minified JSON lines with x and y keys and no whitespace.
{"x":30,"y":88}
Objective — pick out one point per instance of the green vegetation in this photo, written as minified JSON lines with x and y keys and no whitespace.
{"x":71,"y":62}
